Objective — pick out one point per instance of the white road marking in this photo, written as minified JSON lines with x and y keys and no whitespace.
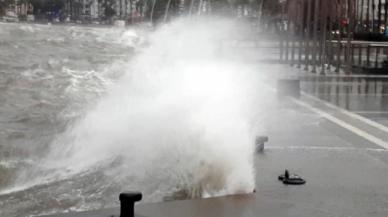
{"x":341,"y":123}
{"x":341,"y":83}
{"x":345,"y":125}
{"x":351,"y":94}
{"x":350,"y":114}
{"x":370,"y":112}
{"x":324,"y":148}
{"x":346,"y":76}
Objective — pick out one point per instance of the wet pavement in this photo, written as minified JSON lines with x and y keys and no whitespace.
{"x":366,"y":95}
{"x":335,"y":136}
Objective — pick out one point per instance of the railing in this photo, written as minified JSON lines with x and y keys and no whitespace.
{"x":318,"y":38}
{"x":363,"y":56}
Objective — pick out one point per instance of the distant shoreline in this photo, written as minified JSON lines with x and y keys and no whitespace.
{"x":73,"y":24}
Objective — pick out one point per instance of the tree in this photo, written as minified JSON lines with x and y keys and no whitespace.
{"x":44,"y":6}
{"x":109,"y":11}
{"x":4,"y":4}
{"x":271,"y":7}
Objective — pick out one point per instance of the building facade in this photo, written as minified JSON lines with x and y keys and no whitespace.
{"x":17,"y":8}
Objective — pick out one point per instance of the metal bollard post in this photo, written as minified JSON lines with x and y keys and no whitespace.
{"x":260,"y":141}
{"x":127,"y":202}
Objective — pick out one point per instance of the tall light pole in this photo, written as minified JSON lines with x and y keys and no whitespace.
{"x":260,"y":10}
{"x":368,"y":16}
{"x":362,"y":14}
{"x":350,"y":35}
{"x":315,"y":35}
{"x":379,"y":15}
{"x":308,"y":34}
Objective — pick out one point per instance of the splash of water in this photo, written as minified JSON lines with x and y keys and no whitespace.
{"x":176,"y":121}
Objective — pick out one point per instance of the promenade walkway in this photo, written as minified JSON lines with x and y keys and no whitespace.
{"x":335,"y":136}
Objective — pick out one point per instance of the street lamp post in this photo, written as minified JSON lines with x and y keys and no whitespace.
{"x":308,"y":35}
{"x":350,"y":35}
{"x":315,"y":35}
{"x":323,"y":30}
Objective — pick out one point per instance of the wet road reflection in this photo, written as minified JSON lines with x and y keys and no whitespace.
{"x":361,"y":94}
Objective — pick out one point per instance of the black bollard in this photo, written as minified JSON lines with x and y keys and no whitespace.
{"x":127,"y":202}
{"x":260,"y":140}
{"x":291,"y":179}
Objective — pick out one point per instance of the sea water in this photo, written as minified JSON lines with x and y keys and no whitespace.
{"x":89,"y":112}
